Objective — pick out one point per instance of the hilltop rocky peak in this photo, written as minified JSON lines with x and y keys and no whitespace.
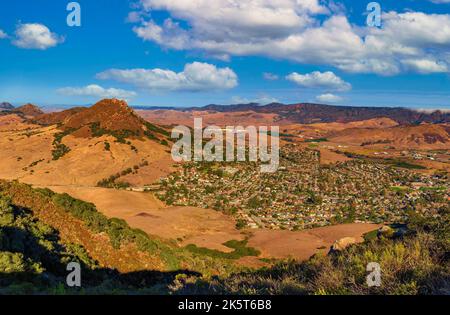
{"x":29,"y":110}
{"x":110,"y":114}
{"x":112,"y":103}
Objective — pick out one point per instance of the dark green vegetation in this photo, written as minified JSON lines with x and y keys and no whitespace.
{"x":34,"y":253}
{"x":240,"y":224}
{"x":240,"y":250}
{"x":407,"y":165}
{"x":33,"y":164}
{"x":152,"y":129}
{"x":111,"y":182}
{"x":375,"y":142}
{"x":33,"y":260}
{"x":371,"y":236}
{"x":118,"y":230}
{"x":389,"y":161}
{"x":29,"y":133}
{"x":120,"y":135}
{"x":31,"y":253}
{"x":317,"y":140}
{"x":60,"y":149}
{"x":36,"y":163}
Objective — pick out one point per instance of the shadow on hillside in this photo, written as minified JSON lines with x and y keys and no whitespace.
{"x":24,"y":254}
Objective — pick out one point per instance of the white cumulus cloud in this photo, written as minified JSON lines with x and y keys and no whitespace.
{"x":97,"y":91}
{"x":270,"y":76}
{"x":240,"y":19}
{"x":3,"y":34}
{"x":304,"y":31}
{"x":324,"y":80}
{"x":426,"y":66}
{"x":35,"y":36}
{"x":329,"y":98}
{"x":196,"y":76}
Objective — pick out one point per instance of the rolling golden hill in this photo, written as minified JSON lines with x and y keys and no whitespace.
{"x":424,"y":136}
{"x":82,"y":146}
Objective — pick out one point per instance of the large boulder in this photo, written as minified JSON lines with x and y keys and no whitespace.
{"x":343,"y":243}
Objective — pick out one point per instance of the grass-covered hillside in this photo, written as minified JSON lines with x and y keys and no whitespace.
{"x":41,"y":232}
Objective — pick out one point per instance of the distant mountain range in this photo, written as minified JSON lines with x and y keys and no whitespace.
{"x":306,"y":113}
{"x":6,"y":106}
{"x":303,"y":113}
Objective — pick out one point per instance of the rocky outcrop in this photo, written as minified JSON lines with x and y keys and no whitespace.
{"x":342,"y":244}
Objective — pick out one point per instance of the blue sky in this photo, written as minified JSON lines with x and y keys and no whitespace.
{"x":166,"y":53}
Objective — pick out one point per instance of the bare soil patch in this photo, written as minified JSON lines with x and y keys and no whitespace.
{"x":303,"y":244}
{"x":330,"y":157}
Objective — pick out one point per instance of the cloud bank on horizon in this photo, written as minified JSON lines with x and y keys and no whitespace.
{"x":255,"y":50}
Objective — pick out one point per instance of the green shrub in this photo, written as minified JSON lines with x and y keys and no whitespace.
{"x":60,"y":149}
{"x":240,"y":250}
